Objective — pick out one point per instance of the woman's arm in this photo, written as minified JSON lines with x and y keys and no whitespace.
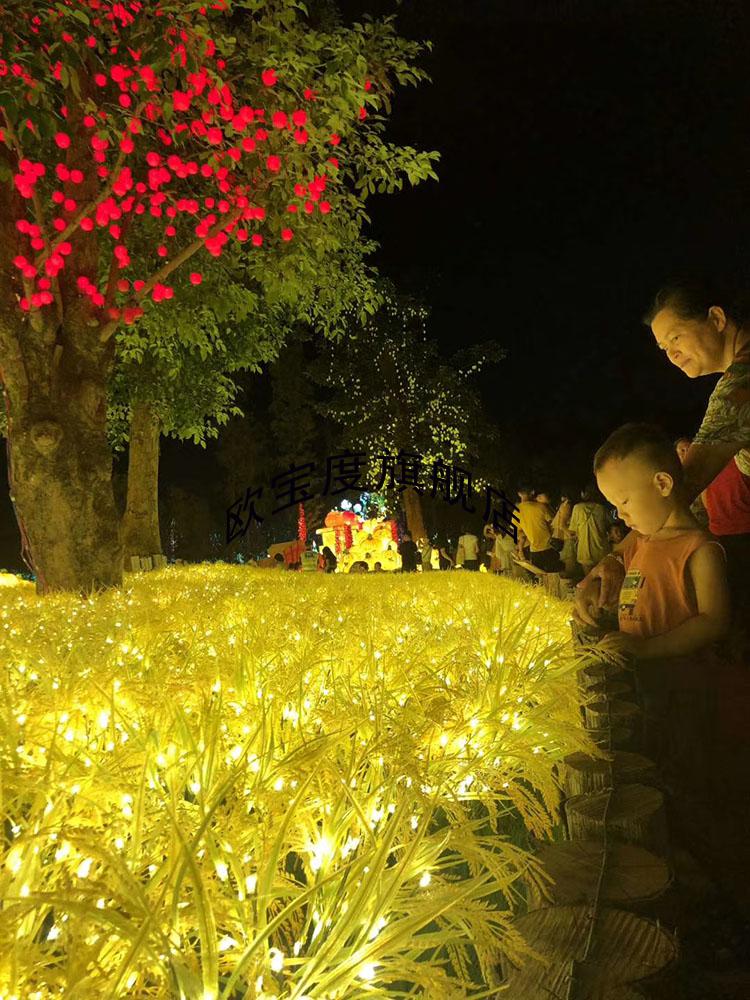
{"x":707,"y":569}
{"x":703,"y":463}
{"x":724,"y":430}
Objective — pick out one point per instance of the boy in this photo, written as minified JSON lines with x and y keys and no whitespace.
{"x":674,"y":598}
{"x":674,"y":601}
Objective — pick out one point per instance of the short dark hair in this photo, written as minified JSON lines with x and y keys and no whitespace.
{"x":646,"y":440}
{"x":691,"y":298}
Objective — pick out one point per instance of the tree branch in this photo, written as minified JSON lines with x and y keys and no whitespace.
{"x":164,"y":272}
{"x":106,"y":191}
{"x":36,"y":317}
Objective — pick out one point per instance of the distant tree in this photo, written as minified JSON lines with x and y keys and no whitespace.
{"x":390,"y":390}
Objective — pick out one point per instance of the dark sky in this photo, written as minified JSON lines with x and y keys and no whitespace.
{"x":589,"y":149}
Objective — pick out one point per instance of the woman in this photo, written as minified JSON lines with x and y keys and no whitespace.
{"x":702,"y":332}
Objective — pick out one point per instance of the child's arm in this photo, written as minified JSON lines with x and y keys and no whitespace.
{"x":520,"y":534}
{"x":707,"y":568}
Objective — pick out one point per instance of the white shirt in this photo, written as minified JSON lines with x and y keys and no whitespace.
{"x":470,"y":546}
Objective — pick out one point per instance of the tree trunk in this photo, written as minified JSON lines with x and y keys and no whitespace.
{"x":412,"y":503}
{"x":60,"y":474}
{"x":140,"y":523}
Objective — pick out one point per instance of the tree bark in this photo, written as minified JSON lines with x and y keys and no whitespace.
{"x":412,"y":503}
{"x":60,"y":474}
{"x":54,"y":370}
{"x":140,"y":523}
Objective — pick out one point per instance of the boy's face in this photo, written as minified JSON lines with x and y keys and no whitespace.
{"x":643,"y":498}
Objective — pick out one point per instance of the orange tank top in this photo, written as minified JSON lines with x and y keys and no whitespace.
{"x":657,"y":593}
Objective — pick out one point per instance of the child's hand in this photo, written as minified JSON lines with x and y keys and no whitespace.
{"x":621,"y":644}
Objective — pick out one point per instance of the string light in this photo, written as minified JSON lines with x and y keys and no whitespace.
{"x":271,"y":754}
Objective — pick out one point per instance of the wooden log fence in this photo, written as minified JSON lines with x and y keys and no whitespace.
{"x":590,"y":926}
{"x":144,"y":564}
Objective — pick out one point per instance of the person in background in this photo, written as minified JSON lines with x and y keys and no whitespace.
{"x":445,"y":560}
{"x":502,"y":553}
{"x":682,"y":446}
{"x":360,"y":566}
{"x":425,"y":552}
{"x":616,"y":533}
{"x":468,"y":550}
{"x":330,"y":560}
{"x":377,"y":568}
{"x":542,"y":497}
{"x":409,"y":554}
{"x":309,"y":561}
{"x":279,"y":561}
{"x":561,"y":531}
{"x":588,"y":523}
{"x":489,"y":539}
{"x":535,"y":533}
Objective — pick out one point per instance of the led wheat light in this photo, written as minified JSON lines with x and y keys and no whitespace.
{"x":294,"y":813}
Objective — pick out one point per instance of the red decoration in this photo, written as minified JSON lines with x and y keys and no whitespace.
{"x":197,"y":130}
{"x":348,"y":536}
{"x":302,"y":524}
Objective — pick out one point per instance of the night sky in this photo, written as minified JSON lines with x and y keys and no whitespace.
{"x":590,"y":149}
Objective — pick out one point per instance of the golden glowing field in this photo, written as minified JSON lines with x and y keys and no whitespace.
{"x":228,"y":782}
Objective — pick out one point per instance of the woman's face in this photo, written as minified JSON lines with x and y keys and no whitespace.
{"x":696,"y":347}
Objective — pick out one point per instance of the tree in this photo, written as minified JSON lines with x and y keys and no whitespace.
{"x":392,"y":391}
{"x":175,"y":377}
{"x":133,"y":139}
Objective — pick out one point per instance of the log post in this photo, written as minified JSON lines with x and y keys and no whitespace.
{"x":621,"y":950}
{"x":582,"y":774}
{"x":635,"y":814}
{"x":632,"y":875}
{"x":615,"y":714}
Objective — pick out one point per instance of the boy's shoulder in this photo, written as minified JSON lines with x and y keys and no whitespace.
{"x":679,"y":540}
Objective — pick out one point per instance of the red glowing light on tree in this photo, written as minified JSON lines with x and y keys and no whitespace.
{"x":166,"y":160}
